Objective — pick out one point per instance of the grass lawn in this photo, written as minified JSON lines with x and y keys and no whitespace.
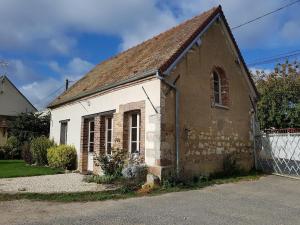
{"x":123,"y":193}
{"x":18,"y":168}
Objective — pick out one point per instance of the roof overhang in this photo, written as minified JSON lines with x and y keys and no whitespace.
{"x":196,"y":39}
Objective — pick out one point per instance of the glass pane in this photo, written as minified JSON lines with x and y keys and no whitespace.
{"x":109,"y":123}
{"x":134,"y":120}
{"x":134,"y":134}
{"x":133,"y":147}
{"x":92,"y":126}
{"x":217,"y":97}
{"x":91,"y":147}
{"x":109,"y":135}
{"x":63,"y":133}
{"x":91,"y":137}
{"x":108,"y":148}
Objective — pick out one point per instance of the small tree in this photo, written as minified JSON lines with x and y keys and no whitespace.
{"x":27,"y":126}
{"x":279,"y":104}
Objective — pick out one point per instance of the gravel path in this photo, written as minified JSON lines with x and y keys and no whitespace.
{"x":71,"y":182}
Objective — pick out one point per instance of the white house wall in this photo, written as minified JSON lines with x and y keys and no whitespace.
{"x":111,"y":101}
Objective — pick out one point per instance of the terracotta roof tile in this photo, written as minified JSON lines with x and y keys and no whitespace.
{"x":154,"y":54}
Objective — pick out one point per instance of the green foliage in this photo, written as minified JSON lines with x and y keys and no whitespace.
{"x":112,"y":164}
{"x":106,"y":179}
{"x":11,"y":149}
{"x":38,"y":149}
{"x":26,"y":153}
{"x":27,"y":126}
{"x":279,"y":104}
{"x":62,"y":156}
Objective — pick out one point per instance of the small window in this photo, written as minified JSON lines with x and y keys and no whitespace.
{"x":134,"y":137}
{"x":63,"y":132}
{"x":217,"y":88}
{"x":91,"y":136}
{"x":108,"y":134}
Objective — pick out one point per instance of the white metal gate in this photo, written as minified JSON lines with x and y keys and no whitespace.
{"x":278,"y":151}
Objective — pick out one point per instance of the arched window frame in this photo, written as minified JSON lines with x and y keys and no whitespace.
{"x":223,"y":88}
{"x":217,"y":88}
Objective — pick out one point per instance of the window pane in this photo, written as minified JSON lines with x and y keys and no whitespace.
{"x":109,"y":135}
{"x":134,"y":134}
{"x":133,"y":147}
{"x":63,"y":133}
{"x":91,"y":147}
{"x":217,"y":98}
{"x":91,"y":137}
{"x":134,"y":120}
{"x":92,"y":126}
{"x":108,"y":148}
{"x":109,"y":123}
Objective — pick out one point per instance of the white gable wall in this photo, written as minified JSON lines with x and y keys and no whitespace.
{"x":111,"y":101}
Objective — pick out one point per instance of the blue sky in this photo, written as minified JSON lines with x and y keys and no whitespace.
{"x":47,"y":41}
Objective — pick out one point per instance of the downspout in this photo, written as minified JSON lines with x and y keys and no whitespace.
{"x":177,"y":129}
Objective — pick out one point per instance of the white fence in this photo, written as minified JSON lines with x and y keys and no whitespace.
{"x":279,"y":152}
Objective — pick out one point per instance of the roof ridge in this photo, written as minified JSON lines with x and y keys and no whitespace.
{"x":154,"y":53}
{"x":161,"y":33}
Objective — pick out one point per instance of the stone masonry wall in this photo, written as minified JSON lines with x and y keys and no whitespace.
{"x":208,"y":132}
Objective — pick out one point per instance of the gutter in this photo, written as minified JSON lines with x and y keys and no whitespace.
{"x":177,"y":131}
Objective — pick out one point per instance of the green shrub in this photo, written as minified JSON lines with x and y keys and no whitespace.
{"x":11,"y":149}
{"x":112,"y":164}
{"x":62,"y":156}
{"x":106,"y":179}
{"x":38,"y":149}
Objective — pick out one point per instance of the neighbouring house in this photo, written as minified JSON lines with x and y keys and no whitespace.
{"x":181,"y":101}
{"x":12,"y":103}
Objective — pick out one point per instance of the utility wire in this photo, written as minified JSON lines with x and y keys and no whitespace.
{"x":266,"y":14}
{"x":274,"y":59}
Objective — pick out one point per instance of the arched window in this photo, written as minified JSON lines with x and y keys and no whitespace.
{"x":220,"y":88}
{"x":217,"y":88}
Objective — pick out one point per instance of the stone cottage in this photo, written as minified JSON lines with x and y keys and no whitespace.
{"x":182,"y":101}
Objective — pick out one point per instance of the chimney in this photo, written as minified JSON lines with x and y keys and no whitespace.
{"x":67,"y":84}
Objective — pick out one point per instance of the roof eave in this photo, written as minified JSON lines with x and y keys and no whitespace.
{"x":146,"y":74}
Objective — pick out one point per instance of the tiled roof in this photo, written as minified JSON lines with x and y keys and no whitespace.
{"x":154,"y":54}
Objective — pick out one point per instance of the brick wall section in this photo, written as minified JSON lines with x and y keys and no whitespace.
{"x":102,"y":135}
{"x":83,"y":160}
{"x":120,"y":121}
{"x":97,"y":142}
{"x":224,"y":86}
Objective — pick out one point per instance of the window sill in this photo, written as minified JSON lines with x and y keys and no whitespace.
{"x":215,"y":105}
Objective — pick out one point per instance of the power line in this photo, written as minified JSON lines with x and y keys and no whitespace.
{"x":275,"y":58}
{"x":266,"y":14}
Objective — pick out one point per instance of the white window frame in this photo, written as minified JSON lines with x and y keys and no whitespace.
{"x":220,"y":88}
{"x":137,"y":134}
{"x":106,"y":133}
{"x":89,"y":136}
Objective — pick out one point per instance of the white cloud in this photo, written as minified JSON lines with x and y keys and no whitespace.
{"x":43,"y":90}
{"x":74,"y":69}
{"x":46,"y":26}
{"x":50,"y":26}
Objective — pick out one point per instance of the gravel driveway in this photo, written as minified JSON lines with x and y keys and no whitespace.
{"x":71,"y":182}
{"x":271,"y":200}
